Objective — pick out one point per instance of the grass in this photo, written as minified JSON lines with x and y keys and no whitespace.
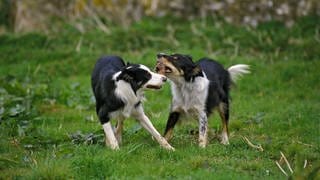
{"x":49,"y":129}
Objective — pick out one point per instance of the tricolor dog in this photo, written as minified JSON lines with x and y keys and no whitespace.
{"x":118,"y":90}
{"x":197,"y":90}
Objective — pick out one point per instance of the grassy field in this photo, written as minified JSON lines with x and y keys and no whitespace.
{"x":49,"y":129}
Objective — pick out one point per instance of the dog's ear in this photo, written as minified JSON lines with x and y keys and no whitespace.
{"x":126,"y":75}
{"x":189,"y":68}
{"x":128,"y":64}
{"x":188,"y":57}
{"x":191,"y":72}
{"x":196,"y":70}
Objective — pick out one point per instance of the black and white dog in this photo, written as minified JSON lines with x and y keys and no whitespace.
{"x":198,"y":89}
{"x":118,"y":90}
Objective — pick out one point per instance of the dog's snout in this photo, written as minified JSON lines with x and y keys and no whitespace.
{"x":164,"y":79}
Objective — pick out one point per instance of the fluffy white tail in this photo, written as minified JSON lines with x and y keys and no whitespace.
{"x":237,"y":71}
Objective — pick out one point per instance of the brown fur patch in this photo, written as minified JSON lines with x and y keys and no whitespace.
{"x":163,"y":64}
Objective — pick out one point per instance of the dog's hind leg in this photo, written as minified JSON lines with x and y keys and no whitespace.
{"x":111,"y":140}
{"x":172,"y":121}
{"x":224,"y":114}
{"x":118,"y":130}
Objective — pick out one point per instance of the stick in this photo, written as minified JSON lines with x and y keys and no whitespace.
{"x":281,"y":169}
{"x":79,"y":45}
{"x":100,"y":24}
{"x":299,"y":142}
{"x":285,"y":159}
{"x":305,"y":164}
{"x":8,"y":160}
{"x":259,"y":147}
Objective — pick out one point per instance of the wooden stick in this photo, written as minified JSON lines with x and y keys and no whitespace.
{"x":8,"y":160}
{"x":281,"y":168}
{"x":305,"y":164}
{"x":259,"y":147}
{"x":95,"y":17}
{"x":299,"y":142}
{"x":285,"y":159}
{"x":78,"y":48}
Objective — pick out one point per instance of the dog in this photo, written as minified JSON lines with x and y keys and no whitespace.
{"x":119,"y":92}
{"x":198,"y":89}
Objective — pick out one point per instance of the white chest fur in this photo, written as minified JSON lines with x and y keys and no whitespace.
{"x":189,"y":97}
{"x":125,"y":93}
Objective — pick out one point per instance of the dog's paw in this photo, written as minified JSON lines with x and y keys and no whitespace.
{"x":203,"y":141}
{"x":202,"y":144}
{"x":169,"y":147}
{"x":224,"y":139}
{"x":225,"y":142}
{"x":115,"y":147}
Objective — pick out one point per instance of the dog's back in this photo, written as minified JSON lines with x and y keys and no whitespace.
{"x":118,"y":90}
{"x":205,"y":83}
{"x":219,"y":82}
{"x":103,"y":86}
{"x":105,"y":68}
{"x":215,"y":72}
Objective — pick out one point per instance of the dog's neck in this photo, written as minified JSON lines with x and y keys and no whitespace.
{"x":189,"y":95}
{"x":130,"y":98}
{"x":181,"y":82}
{"x":178,"y":81}
{"x":198,"y":83}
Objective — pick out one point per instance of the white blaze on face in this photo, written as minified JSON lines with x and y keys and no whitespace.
{"x":156,"y":81}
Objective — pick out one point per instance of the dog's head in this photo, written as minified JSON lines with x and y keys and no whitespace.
{"x":140,"y":76}
{"x":177,"y":65}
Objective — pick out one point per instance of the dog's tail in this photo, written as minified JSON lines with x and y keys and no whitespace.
{"x":238,"y":71}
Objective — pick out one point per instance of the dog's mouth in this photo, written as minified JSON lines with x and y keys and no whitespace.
{"x":149,"y":86}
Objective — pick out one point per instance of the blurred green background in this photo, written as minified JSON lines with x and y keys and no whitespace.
{"x":45,"y":15}
{"x":48,"y":125}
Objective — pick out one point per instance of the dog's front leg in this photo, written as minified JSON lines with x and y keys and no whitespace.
{"x":111,"y":140}
{"x":173,"y":119}
{"x":203,"y":129}
{"x":146,"y":123}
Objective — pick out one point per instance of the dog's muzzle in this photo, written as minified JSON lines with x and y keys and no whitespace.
{"x":160,"y":67}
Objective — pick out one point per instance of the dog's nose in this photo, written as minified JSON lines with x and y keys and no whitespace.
{"x":164,"y":79}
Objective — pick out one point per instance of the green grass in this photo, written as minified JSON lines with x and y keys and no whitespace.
{"x":49,"y":129}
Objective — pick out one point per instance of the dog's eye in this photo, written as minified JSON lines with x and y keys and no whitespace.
{"x":168,"y":70}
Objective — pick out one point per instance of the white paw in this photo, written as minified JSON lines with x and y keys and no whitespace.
{"x":115,"y":147}
{"x":224,"y":138}
{"x":202,"y":144}
{"x":225,"y":142}
{"x":169,"y":147}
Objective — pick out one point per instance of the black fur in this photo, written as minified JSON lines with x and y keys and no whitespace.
{"x":184,"y":63}
{"x":218,"y":89}
{"x":172,"y":120}
{"x":103,"y":85}
{"x":219,"y":86}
